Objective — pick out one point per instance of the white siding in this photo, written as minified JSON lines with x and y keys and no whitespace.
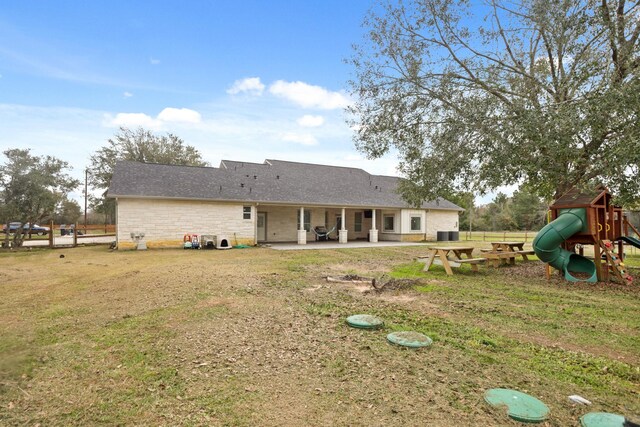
{"x":406,"y":215}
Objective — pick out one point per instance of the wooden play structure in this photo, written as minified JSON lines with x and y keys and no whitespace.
{"x":580,"y":218}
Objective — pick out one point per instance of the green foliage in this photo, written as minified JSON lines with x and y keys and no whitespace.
{"x":68,"y":212}
{"x":498,"y":215}
{"x":139,"y":145}
{"x":547,"y":93}
{"x":529,"y":211}
{"x":32,"y":188}
{"x":522,"y":211}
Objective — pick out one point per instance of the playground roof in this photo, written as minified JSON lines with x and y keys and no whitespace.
{"x":580,"y":197}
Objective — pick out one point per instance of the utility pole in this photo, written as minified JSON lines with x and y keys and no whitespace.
{"x":86,"y":178}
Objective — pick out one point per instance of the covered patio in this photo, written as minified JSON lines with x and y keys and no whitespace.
{"x":336,"y":245}
{"x":321,"y":224}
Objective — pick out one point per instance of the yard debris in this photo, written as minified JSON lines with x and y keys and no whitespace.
{"x":383,"y":283}
{"x":579,"y":399}
{"x":396,"y":284}
{"x":351,"y":278}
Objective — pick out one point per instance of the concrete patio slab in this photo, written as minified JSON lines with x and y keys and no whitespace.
{"x":336,"y":245}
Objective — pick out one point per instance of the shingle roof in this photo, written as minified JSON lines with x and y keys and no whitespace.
{"x":274,"y":181}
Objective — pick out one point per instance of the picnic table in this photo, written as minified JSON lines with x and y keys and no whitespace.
{"x":507,"y":246}
{"x":506,"y":252}
{"x":440,"y":255}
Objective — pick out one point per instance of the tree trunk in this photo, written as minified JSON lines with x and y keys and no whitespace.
{"x":5,"y":244}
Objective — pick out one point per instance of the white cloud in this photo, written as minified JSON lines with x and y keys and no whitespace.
{"x":127,"y":94}
{"x":168,"y":115}
{"x":250,"y":85}
{"x":299,"y":138}
{"x":135,"y":120}
{"x":183,"y":115}
{"x":154,"y":61}
{"x":309,"y":121}
{"x":309,"y":96}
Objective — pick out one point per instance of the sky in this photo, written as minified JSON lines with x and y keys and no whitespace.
{"x":239,"y":80}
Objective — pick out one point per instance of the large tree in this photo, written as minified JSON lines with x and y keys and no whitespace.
{"x":32,"y":188}
{"x":476,"y":95}
{"x":140,"y":145}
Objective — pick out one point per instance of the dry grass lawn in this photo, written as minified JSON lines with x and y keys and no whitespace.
{"x":258,"y":337}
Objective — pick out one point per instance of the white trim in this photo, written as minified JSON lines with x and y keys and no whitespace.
{"x":419,"y":216}
{"x":395,"y":225}
{"x":273,"y":203}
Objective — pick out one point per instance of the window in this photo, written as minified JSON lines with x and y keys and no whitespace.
{"x":246,"y":212}
{"x":357,"y":226}
{"x":388,"y":222}
{"x":416,"y":223}
{"x":307,"y":220}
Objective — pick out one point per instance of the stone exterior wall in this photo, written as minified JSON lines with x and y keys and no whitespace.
{"x":440,"y":221}
{"x":165,"y":222}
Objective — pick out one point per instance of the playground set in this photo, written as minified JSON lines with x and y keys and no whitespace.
{"x":578,"y":219}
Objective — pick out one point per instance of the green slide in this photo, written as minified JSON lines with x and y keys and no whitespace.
{"x":547,"y":245}
{"x":631,"y":240}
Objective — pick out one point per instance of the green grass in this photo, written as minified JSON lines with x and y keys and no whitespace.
{"x":411,"y":270}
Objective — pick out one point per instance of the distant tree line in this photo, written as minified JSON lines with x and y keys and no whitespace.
{"x":522,"y":211}
{"x":35,"y":189}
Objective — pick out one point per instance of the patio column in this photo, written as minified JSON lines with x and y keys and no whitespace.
{"x":302,"y":233}
{"x":342,"y":234}
{"x":373,"y":233}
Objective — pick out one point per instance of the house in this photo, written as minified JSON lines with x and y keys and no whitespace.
{"x":274,"y":201}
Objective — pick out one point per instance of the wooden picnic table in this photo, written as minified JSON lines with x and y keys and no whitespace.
{"x":507,"y":246}
{"x":440,"y":255}
{"x":507,"y":252}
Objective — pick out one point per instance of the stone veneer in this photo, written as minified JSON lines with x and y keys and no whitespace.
{"x":441,"y":221}
{"x":165,"y":222}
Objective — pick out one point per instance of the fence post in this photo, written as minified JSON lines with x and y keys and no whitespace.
{"x":75,"y":235}
{"x":51,"y":234}
{"x":525,"y":236}
{"x":504,"y":236}
{"x":484,"y":236}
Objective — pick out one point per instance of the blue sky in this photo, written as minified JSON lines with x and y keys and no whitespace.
{"x":241,"y":80}
{"x":238,"y":80}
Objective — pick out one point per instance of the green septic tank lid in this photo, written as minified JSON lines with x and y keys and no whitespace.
{"x":409,"y":339}
{"x":521,"y":407}
{"x":601,"y":419}
{"x":364,"y":321}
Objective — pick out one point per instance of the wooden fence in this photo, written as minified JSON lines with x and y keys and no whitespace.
{"x":516,"y":236}
{"x":493,"y":236}
{"x":80,"y":232}
{"x":88,"y":229}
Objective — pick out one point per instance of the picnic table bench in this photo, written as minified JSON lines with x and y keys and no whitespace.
{"x":440,"y":255}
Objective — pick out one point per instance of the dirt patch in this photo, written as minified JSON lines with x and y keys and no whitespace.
{"x":530,"y":269}
{"x":397,"y":285}
{"x":361,"y":266}
{"x":400,"y":299}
